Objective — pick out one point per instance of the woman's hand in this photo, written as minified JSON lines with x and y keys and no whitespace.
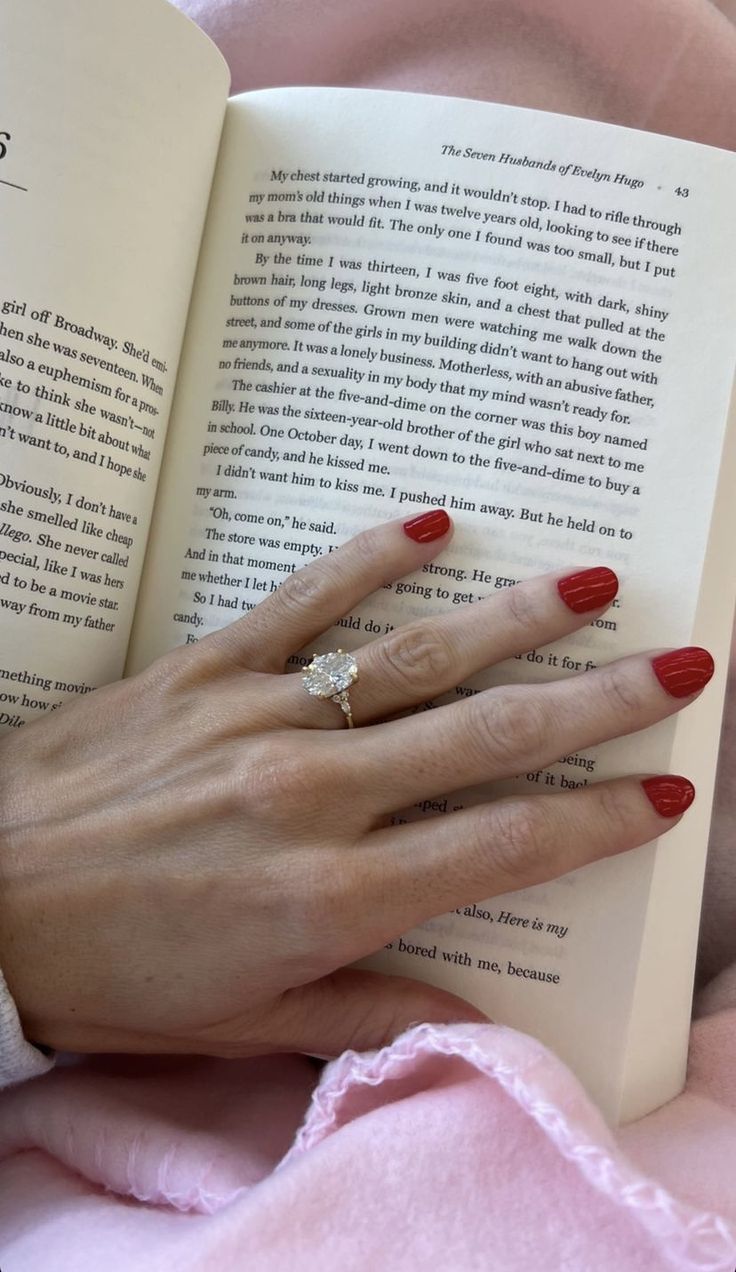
{"x":188,"y":856}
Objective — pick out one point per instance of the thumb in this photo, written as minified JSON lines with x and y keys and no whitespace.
{"x":359,"y":1010}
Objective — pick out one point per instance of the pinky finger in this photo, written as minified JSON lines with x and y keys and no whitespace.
{"x":413,"y":872}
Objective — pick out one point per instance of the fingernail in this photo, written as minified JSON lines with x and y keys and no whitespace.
{"x":588,"y":589}
{"x":683,"y":671}
{"x":428,"y":526}
{"x":671,"y":796}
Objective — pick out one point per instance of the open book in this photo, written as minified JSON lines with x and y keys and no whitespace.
{"x":233,"y":334}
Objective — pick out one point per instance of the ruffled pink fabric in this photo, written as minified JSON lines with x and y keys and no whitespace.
{"x":470,"y":1146}
{"x":465,"y":1147}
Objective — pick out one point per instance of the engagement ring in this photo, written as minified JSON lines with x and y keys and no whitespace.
{"x":330,"y":676}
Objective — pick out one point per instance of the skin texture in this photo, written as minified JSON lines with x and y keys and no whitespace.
{"x":189,"y":857}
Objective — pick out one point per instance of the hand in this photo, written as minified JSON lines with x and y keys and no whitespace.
{"x":187,"y":857}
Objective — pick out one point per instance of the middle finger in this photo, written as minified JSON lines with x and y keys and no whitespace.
{"x":425,"y":659}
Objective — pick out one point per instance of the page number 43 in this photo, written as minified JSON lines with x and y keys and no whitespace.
{"x":683,"y":192}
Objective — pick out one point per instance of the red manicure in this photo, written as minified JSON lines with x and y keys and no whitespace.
{"x":683,"y":671}
{"x":671,"y":796}
{"x":588,"y":589}
{"x":428,"y":526}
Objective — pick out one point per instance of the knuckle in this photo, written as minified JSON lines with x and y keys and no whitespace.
{"x":274,"y":782}
{"x":615,"y":810}
{"x":621,"y":690}
{"x":168,"y":688}
{"x":416,"y":658}
{"x":519,"y":840}
{"x":523,"y":609}
{"x":369,"y":546}
{"x":165,"y":674}
{"x":511,"y":727}
{"x":302,"y":590}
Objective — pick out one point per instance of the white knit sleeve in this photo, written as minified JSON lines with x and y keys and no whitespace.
{"x":19,"y":1059}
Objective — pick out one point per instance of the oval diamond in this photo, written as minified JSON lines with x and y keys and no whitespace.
{"x":328,"y":674}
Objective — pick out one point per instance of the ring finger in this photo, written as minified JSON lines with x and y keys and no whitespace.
{"x":426,"y":658}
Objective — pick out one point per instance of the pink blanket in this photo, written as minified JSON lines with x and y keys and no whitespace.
{"x":460,"y":1147}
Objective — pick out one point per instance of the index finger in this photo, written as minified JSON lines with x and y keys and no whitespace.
{"x":312,"y":599}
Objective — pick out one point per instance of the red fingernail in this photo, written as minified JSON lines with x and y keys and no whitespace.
{"x":588,"y":589}
{"x":683,"y":671}
{"x":428,"y":526}
{"x":671,"y":796}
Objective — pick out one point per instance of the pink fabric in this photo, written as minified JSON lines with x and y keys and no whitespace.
{"x":467,"y":1145}
{"x":464,"y":1147}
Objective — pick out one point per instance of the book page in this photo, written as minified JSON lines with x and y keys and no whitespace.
{"x":110,"y":116}
{"x":663,"y":991}
{"x":527,"y":319}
